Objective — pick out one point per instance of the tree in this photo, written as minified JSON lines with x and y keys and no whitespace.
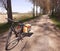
{"x":7,"y":5}
{"x":33,"y":2}
{"x":35,"y":7}
{"x":42,"y":4}
{"x":55,"y":8}
{"x":9,"y":10}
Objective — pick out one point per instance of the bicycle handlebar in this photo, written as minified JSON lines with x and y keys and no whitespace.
{"x":11,"y":20}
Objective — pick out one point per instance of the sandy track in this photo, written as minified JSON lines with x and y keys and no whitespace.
{"x":45,"y":38}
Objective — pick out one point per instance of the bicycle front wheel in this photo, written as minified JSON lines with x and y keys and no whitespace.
{"x":12,"y":41}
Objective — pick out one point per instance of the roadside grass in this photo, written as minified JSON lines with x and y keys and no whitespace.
{"x":5,"y":26}
{"x":55,"y":20}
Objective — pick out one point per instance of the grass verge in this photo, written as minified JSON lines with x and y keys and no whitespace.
{"x":5,"y":26}
{"x":55,"y":20}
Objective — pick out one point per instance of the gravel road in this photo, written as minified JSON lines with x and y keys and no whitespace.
{"x":46,"y":37}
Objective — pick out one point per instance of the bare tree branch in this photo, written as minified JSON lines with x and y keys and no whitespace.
{"x":4,"y":4}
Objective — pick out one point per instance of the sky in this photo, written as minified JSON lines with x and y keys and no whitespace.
{"x":20,"y":6}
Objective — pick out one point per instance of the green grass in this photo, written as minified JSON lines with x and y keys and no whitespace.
{"x":55,"y":20}
{"x":5,"y":26}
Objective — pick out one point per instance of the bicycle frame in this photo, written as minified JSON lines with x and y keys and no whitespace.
{"x":15,"y":32}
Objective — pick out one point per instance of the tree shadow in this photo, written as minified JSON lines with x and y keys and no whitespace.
{"x":3,"y":38}
{"x":47,"y":26}
{"x":51,"y":28}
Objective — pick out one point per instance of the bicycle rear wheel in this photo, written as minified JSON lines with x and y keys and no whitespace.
{"x":12,"y":41}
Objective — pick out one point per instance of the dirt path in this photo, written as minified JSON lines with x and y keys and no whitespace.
{"x":46,"y":37}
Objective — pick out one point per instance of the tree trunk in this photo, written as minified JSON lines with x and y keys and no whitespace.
{"x":9,"y":10}
{"x":40,"y":11}
{"x":44,"y":11}
{"x":36,"y":11}
{"x":33,"y":11}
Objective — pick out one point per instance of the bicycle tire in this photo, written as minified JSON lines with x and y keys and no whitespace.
{"x":13,"y":43}
{"x":7,"y":41}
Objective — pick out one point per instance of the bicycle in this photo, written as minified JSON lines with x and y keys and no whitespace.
{"x":18,"y":34}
